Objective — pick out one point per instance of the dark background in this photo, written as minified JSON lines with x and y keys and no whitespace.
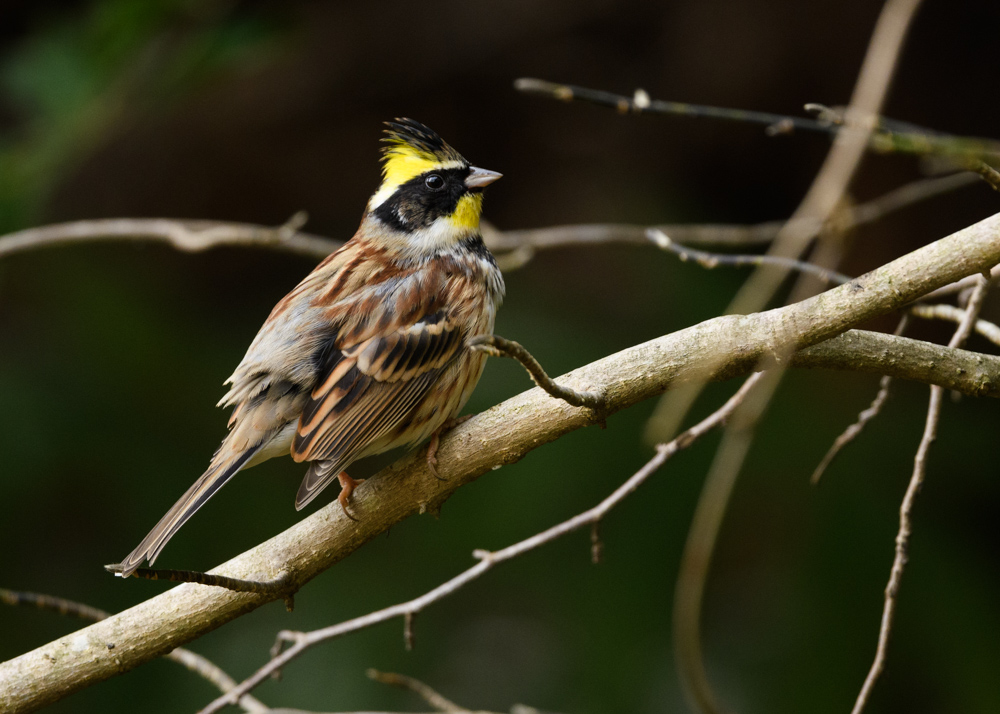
{"x":112,"y":355}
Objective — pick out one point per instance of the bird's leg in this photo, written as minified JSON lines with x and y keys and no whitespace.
{"x":436,"y":440}
{"x":347,"y":486}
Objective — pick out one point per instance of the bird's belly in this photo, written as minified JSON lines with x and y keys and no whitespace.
{"x":279,"y":445}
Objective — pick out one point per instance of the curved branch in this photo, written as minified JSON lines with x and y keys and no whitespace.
{"x":184,"y":235}
{"x":192,"y":661}
{"x":719,"y":348}
{"x":514,"y":248}
{"x":300,"y":641}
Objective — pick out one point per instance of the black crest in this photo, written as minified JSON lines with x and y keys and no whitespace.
{"x":408,"y":133}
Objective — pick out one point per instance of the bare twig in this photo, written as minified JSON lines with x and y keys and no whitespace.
{"x":831,"y":182}
{"x":851,"y":432}
{"x":895,"y":137}
{"x":713,"y":260}
{"x":279,"y":585}
{"x":702,"y":535}
{"x":501,"y":435}
{"x":818,"y":206}
{"x":214,"y":674}
{"x":52,"y":604}
{"x":189,"y":236}
{"x":984,"y":328}
{"x":433,"y":698}
{"x":989,"y":174}
{"x":499,"y":347}
{"x":301,"y":641}
{"x":889,"y":136}
{"x":513,"y":248}
{"x":186,"y":658}
{"x":439,"y":702}
{"x":959,"y":286}
{"x":640,"y":103}
{"x":916,"y":481}
{"x":905,"y":196}
{"x":517,"y":247}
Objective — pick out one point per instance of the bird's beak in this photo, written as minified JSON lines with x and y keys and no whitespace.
{"x":478,"y":177}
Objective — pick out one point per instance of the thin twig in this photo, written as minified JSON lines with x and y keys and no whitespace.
{"x":830,"y":184}
{"x":425,"y":692}
{"x":300,"y":641}
{"x":184,"y":235}
{"x":916,"y":481}
{"x":712,"y":260}
{"x":640,"y":103}
{"x":52,"y":604}
{"x":497,"y":346}
{"x":819,"y":204}
{"x":905,"y":196}
{"x":989,"y":174}
{"x":276,"y":586}
{"x":960,"y":286}
{"x":501,"y":435}
{"x":984,"y":328}
{"x":702,"y":536}
{"x":889,"y":136}
{"x":513,"y":248}
{"x":516,"y":248}
{"x":892,"y":136}
{"x":186,"y":658}
{"x":825,"y":193}
{"x":851,"y":432}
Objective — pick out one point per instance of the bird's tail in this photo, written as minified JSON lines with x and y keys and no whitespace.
{"x":194,"y":498}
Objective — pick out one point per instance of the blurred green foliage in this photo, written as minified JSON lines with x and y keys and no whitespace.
{"x":80,"y":78}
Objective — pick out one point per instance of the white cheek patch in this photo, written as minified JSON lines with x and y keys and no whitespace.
{"x":439,"y":234}
{"x":381,"y":196}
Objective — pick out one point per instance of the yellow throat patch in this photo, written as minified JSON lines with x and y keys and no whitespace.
{"x":467,"y":211}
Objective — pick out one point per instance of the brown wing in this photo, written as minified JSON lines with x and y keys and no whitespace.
{"x":368,"y":391}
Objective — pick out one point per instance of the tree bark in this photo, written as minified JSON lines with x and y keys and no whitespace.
{"x":732,"y":345}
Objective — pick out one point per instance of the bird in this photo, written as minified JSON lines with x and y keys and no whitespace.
{"x":369,"y":352}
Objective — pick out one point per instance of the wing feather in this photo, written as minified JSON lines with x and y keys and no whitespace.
{"x":371,"y":391}
{"x":387,"y":409}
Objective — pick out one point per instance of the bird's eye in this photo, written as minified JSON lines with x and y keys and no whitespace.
{"x":434,"y":182}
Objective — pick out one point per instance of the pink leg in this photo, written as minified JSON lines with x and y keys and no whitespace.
{"x":347,"y":486}
{"x":436,"y":440}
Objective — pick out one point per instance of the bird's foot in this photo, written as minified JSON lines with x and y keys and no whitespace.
{"x":347,"y":486}
{"x":436,"y":441}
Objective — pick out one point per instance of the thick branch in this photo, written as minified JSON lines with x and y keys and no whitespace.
{"x":967,"y":372}
{"x":487,"y":559}
{"x":502,"y":435}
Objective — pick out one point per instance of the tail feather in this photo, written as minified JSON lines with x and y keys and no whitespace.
{"x":193,"y":499}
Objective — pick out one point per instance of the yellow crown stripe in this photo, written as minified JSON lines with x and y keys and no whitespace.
{"x":402,"y":163}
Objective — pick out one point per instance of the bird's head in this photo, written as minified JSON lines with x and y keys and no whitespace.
{"x":429,"y":192}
